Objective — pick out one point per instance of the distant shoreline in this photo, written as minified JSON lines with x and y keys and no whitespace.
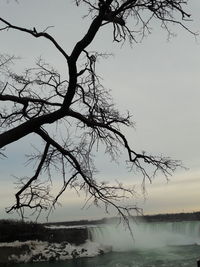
{"x":165,"y":217}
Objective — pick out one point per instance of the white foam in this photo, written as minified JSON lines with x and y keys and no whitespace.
{"x":146,"y":235}
{"x":44,"y":251}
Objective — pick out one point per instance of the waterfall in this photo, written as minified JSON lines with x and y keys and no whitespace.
{"x":146,"y":235}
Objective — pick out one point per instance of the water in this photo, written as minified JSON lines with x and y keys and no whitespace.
{"x":169,"y":257}
{"x":147,"y":235}
{"x":154,"y":245}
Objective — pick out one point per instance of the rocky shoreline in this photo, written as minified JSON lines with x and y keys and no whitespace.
{"x":37,"y":251}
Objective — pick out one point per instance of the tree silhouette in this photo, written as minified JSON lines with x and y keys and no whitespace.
{"x":39,"y":97}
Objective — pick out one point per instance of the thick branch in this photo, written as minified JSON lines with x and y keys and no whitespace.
{"x":88,"y":38}
{"x":28,"y":127}
{"x":78,"y":49}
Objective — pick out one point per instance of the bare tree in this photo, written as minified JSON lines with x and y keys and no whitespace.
{"x":39,"y":97}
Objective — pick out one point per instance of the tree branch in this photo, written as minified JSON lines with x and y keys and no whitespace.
{"x":35,"y":34}
{"x":18,"y":204}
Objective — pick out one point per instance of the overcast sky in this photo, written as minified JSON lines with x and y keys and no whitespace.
{"x":157,"y":80}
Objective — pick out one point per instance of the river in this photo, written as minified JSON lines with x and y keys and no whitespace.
{"x":172,"y":244}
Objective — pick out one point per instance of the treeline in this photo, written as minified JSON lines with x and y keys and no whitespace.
{"x":173,"y":217}
{"x":12,"y":230}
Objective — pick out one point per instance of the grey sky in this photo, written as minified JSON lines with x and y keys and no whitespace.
{"x":156,"y":80}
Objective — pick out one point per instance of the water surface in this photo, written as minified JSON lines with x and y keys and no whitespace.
{"x":173,"y":256}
